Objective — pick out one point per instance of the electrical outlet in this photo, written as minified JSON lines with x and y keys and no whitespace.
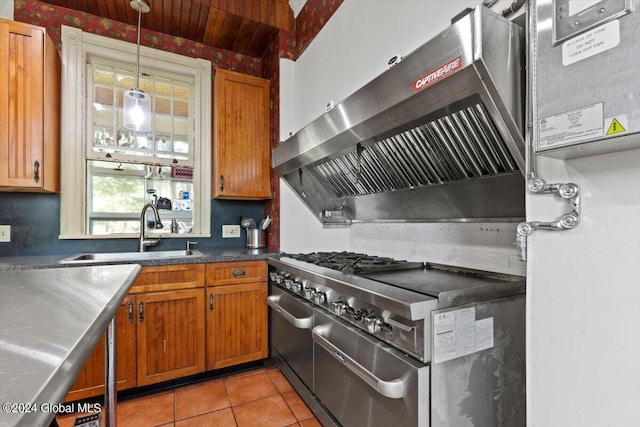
{"x":5,"y":233}
{"x":230,"y":231}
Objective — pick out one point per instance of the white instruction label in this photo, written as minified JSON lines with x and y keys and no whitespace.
{"x":484,"y":333}
{"x":571,"y":127}
{"x":591,"y":43}
{"x":457,"y":334}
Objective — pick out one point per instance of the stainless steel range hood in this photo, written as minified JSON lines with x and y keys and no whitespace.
{"x":438,"y":137}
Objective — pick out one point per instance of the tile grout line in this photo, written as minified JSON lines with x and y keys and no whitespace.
{"x":226,"y":390}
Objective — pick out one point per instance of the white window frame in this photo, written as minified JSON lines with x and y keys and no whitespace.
{"x":78,"y":47}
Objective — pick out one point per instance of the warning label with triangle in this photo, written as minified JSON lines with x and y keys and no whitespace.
{"x":615,"y":127}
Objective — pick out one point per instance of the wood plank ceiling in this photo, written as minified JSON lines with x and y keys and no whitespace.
{"x":243,"y":26}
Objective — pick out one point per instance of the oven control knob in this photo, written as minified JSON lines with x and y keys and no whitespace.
{"x":309,"y":293}
{"x":296,"y":286}
{"x":374,"y":324}
{"x":340,"y":308}
{"x":281,"y":278}
{"x":319,"y":298}
{"x":288,"y":283}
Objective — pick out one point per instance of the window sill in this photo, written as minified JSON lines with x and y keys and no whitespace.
{"x":133,"y":236}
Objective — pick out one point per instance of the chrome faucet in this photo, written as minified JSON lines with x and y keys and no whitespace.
{"x":143,"y":242}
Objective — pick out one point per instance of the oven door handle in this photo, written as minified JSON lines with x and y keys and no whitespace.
{"x":394,"y":389}
{"x":300,"y":323}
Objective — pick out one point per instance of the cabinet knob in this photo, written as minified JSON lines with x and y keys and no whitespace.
{"x":221,"y":182}
{"x":141,"y":311}
{"x":238,"y":273}
{"x":210,"y":302}
{"x":36,"y":171}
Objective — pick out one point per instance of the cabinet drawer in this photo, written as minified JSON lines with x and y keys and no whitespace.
{"x":231,"y":273}
{"x":169,"y":277}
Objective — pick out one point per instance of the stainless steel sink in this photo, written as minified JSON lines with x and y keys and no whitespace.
{"x":89,"y":258}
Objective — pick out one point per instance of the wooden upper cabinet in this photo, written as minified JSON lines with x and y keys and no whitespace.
{"x":241,"y":150}
{"x":29,"y":109}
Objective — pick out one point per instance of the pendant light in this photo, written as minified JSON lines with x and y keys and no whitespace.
{"x":137,"y":104}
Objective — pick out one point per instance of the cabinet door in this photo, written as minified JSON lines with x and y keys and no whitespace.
{"x":236,"y":324}
{"x":170,"y":335}
{"x":241,"y":150}
{"x":29,"y":108}
{"x":90,"y":381}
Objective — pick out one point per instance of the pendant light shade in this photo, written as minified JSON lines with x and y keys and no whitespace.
{"x":137,"y":110}
{"x":137,"y":104}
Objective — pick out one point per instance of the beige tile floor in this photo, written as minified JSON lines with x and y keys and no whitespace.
{"x":261,"y":397}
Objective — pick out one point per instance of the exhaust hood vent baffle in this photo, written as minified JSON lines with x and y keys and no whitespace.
{"x":464,"y":145}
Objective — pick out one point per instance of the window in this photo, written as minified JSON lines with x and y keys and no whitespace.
{"x":115,"y":171}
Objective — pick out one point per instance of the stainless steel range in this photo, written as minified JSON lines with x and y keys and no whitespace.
{"x":371,"y":341}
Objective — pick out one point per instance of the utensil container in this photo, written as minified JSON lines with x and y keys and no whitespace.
{"x":256,"y":238}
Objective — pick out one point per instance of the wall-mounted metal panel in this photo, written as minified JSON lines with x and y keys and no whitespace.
{"x":586,"y":92}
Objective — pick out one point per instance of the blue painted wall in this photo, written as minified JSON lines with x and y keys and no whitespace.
{"x":35,"y":226}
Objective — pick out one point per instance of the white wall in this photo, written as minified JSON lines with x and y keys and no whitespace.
{"x":479,"y":246}
{"x":6,"y":9}
{"x":584,"y":299}
{"x":583,"y":286}
{"x":300,"y":231}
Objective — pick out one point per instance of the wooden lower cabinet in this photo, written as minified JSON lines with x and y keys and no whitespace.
{"x":236,"y":303}
{"x":236,"y":324}
{"x":171,"y":325}
{"x":170,"y":335}
{"x":90,"y":381}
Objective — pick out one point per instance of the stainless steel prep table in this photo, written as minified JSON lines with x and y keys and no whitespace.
{"x":50,"y":322}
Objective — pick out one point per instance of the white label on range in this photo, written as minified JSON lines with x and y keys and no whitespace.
{"x":571,"y":127}
{"x":591,"y":43}
{"x":457,"y":334}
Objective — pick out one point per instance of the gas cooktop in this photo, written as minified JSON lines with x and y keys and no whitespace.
{"x":443,"y":282}
{"x":355,"y":263}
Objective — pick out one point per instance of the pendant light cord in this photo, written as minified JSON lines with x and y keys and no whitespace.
{"x":138,"y":53}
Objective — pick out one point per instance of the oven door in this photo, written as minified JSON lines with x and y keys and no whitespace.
{"x":365,"y":382}
{"x":290,"y":330}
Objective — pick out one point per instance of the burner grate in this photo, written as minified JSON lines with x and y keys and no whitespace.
{"x":355,"y":263}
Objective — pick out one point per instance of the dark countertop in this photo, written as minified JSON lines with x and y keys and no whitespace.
{"x":209,"y":255}
{"x":50,"y":322}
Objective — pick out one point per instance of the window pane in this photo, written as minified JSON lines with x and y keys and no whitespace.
{"x":103,"y":95}
{"x":125,"y":81}
{"x":163,"y":124}
{"x":181,"y":108}
{"x":116,"y":194}
{"x":163,"y":143}
{"x":180,"y":126}
{"x":102,"y":115}
{"x":162,"y":105}
{"x":181,"y":92}
{"x":163,"y":88}
{"x":168,"y":140}
{"x":180,"y":145}
{"x":100,"y":227}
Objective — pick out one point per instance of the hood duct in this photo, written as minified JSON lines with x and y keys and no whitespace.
{"x":438,"y":137}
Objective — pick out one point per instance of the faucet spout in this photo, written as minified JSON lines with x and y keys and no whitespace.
{"x":143,"y":242}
